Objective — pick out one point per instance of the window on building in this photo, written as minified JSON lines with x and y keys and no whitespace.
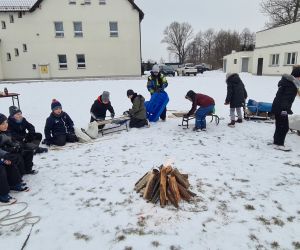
{"x":20,"y":14}
{"x":3,"y":24}
{"x":16,"y":52}
{"x":33,"y":66}
{"x":291,"y":58}
{"x":78,"y":29}
{"x":59,"y":29}
{"x":102,"y":2}
{"x":274,"y":59}
{"x":62,"y":62}
{"x":113,"y":27}
{"x":87,"y":2}
{"x":24,"y":47}
{"x":72,"y":1}
{"x":8,"y":56}
{"x":11,"y":19}
{"x":80,"y":61}
{"x":235,"y":61}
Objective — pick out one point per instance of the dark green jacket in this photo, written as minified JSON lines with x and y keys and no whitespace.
{"x":138,"y":110}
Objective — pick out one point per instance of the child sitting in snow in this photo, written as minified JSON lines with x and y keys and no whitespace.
{"x":207,"y":105}
{"x":14,"y":151}
{"x":10,"y":179}
{"x":59,"y":128}
{"x":137,"y":113}
{"x":23,"y":131}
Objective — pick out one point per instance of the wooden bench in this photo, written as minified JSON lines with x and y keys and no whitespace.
{"x":185,"y":120}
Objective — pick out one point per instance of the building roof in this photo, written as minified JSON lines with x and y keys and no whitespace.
{"x":31,"y":5}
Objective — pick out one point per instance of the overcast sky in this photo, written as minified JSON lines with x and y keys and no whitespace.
{"x":201,"y":14}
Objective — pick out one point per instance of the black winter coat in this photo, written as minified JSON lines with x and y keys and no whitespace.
{"x":58,"y":125}
{"x":285,"y":96}
{"x":7,"y":145}
{"x":98,"y":109}
{"x":17,"y":130}
{"x":236,"y":92}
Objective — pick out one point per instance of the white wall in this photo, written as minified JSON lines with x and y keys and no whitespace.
{"x":104,"y":55}
{"x":237,"y":68}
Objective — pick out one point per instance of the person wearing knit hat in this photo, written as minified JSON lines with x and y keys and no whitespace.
{"x":137,"y":114}
{"x":157,"y":83}
{"x":99,"y":108}
{"x":23,"y":131}
{"x":288,"y":87}
{"x":11,"y":150}
{"x":59,"y":127}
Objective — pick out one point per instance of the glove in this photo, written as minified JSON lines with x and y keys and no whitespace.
{"x":112,"y":115}
{"x":126,"y":113}
{"x":284,"y":113}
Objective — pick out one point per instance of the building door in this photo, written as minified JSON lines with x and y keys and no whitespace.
{"x":44,"y":71}
{"x":245,"y":64}
{"x":260,"y":63}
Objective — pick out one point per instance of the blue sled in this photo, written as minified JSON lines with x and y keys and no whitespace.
{"x":156,"y":105}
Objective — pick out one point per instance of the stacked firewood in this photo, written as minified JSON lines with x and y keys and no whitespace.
{"x":165,"y":184}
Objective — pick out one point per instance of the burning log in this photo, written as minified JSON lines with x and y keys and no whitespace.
{"x":166,"y":185}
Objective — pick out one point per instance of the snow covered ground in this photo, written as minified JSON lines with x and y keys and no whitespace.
{"x":248,"y":193}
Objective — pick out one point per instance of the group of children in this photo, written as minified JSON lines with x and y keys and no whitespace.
{"x":19,"y":141}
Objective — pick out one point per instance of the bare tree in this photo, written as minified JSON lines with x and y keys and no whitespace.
{"x":281,"y":12}
{"x":247,"y":39}
{"x":195,"y":49}
{"x":208,"y":40}
{"x":177,"y":36}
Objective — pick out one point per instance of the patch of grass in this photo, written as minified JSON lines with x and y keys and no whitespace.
{"x":291,"y":218}
{"x":253,"y":237}
{"x":175,"y":247}
{"x":274,"y":245}
{"x":121,"y":237}
{"x":249,"y":207}
{"x":264,"y":221}
{"x":80,"y":236}
{"x":128,"y":248}
{"x":296,"y":244}
{"x":155,"y":243}
{"x":278,"y":222}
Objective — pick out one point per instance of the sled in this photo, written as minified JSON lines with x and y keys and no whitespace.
{"x":116,"y":125}
{"x":185,"y":120}
{"x":258,"y":110}
{"x":156,"y":106}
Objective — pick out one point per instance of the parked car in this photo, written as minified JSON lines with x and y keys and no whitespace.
{"x":167,"y":70}
{"x":186,"y":70}
{"x":202,"y":68}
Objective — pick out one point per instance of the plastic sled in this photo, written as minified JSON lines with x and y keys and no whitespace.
{"x":258,"y":110}
{"x":156,"y":106}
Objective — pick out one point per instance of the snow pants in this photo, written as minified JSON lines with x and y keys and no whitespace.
{"x":61,"y":140}
{"x":238,"y":111}
{"x":201,"y":115}
{"x":22,"y":161}
{"x":9,"y":176}
{"x":137,"y":123}
{"x":281,"y":129}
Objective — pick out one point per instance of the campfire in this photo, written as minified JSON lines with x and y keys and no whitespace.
{"x":166,"y":185}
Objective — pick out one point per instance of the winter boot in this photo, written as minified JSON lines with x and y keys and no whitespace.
{"x":231,"y":124}
{"x":7,"y":199}
{"x":41,"y":150}
{"x":19,"y":188}
{"x":239,"y":120}
{"x":282,"y":148}
{"x":196,"y":129}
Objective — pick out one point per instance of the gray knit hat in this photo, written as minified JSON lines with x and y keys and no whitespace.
{"x":105,"y":96}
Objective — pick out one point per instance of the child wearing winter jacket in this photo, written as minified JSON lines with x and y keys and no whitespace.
{"x":236,"y":97}
{"x":14,"y":151}
{"x":288,"y":87}
{"x":137,"y":113}
{"x":59,"y":128}
{"x":207,"y":105}
{"x":10,"y":179}
{"x":23,"y":131}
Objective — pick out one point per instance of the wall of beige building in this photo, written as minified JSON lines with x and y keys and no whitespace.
{"x":234,"y":62}
{"x":104,"y":55}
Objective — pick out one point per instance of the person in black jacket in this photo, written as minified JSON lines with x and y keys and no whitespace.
{"x":13,"y":151}
{"x":59,"y":128}
{"x":99,"y":108}
{"x":236,"y":96}
{"x":23,"y":131}
{"x":282,"y":104}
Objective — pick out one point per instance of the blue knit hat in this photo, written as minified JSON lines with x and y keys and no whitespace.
{"x":55,"y":105}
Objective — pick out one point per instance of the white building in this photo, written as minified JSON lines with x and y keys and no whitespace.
{"x":69,"y":38}
{"x":276,"y":51}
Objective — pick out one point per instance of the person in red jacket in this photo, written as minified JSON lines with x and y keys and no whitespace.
{"x":207,"y":105}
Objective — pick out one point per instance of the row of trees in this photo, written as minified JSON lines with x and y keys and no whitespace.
{"x":205,"y":47}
